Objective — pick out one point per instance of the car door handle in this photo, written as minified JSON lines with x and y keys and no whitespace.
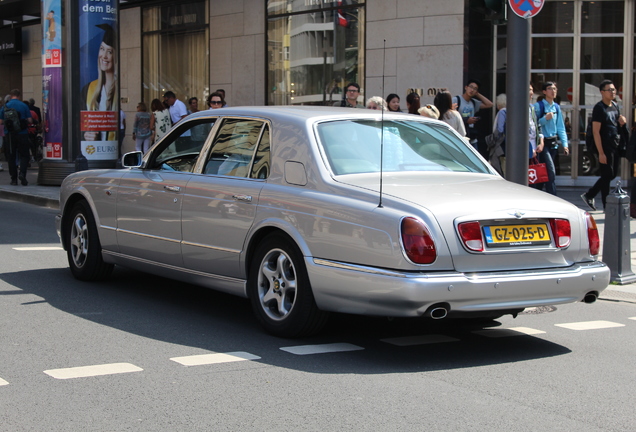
{"x":245,"y":198}
{"x":172,"y":188}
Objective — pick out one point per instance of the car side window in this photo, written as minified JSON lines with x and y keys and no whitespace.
{"x":234,"y":148}
{"x":180,"y":149}
{"x":260,"y":167}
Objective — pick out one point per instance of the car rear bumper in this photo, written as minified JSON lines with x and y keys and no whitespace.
{"x":346,"y":288}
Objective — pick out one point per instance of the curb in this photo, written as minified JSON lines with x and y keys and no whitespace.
{"x":30,"y":199}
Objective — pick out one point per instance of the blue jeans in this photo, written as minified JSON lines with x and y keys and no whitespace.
{"x":550,"y":185}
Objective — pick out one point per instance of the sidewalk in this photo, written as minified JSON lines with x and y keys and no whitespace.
{"x":48,"y":196}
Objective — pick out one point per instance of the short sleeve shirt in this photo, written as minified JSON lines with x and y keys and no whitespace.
{"x":607,"y":116}
{"x":468,"y":109}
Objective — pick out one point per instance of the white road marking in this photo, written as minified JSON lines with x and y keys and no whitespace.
{"x":3,"y":382}
{"x":38,"y":248}
{"x":321,"y":349}
{"x":205,"y":359}
{"x":507,"y":332}
{"x":590,"y":325}
{"x":419,"y":340}
{"x":96,"y":370}
{"x":632,"y":318}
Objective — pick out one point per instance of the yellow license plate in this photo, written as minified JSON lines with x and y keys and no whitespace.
{"x":517,"y":235}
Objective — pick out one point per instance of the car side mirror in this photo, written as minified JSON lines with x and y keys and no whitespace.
{"x":132,"y":159}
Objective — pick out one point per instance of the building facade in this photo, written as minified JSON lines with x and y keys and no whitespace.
{"x":281,"y":52}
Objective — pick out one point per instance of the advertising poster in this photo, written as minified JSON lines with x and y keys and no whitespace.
{"x":52,"y":93}
{"x":99,"y":85}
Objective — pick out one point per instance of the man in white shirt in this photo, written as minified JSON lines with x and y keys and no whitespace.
{"x":178,"y":109}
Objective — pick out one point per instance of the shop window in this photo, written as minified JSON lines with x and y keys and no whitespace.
{"x":552,"y":52}
{"x":602,"y":17}
{"x":175,"y":51}
{"x":312,"y":56}
{"x":555,"y":17}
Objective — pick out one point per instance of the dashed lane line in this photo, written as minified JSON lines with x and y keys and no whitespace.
{"x":3,"y":382}
{"x":508,"y":332}
{"x":90,"y":371}
{"x":590,"y":325}
{"x":419,"y":340}
{"x":632,"y":318}
{"x":38,"y":248}
{"x":321,"y":349}
{"x":205,"y":359}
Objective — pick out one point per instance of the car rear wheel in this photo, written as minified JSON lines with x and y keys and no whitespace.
{"x":280,"y":291}
{"x":84,"y":250}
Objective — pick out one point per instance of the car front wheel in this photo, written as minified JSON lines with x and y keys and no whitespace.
{"x":280,"y":291}
{"x":84,"y":250}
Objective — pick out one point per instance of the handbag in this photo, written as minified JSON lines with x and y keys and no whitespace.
{"x":537,"y":172}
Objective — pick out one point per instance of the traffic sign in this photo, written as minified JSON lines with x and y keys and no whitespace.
{"x":570,"y":94}
{"x":526,"y":8}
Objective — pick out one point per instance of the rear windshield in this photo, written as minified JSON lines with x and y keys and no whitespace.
{"x":353,"y":147}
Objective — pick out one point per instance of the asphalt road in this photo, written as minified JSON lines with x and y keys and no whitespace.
{"x":144,"y":353}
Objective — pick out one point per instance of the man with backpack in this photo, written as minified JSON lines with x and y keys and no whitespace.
{"x":468,"y":105}
{"x":552,"y":122}
{"x":606,"y":124}
{"x":15,"y":116}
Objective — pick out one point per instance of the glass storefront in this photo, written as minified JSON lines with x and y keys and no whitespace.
{"x":577,"y":44}
{"x":314,"y":50}
{"x":175,"y":41}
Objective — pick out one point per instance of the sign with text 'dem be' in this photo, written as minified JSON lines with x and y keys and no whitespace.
{"x":526,"y":8}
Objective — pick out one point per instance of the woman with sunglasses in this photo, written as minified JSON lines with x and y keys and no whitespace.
{"x":215,"y":100}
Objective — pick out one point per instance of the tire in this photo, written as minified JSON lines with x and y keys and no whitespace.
{"x":280,"y":292}
{"x":84,"y":250}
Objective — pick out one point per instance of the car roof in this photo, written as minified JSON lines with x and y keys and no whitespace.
{"x":304,"y":113}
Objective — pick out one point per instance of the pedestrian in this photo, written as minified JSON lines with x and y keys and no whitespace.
{"x":162,"y":118}
{"x":552,"y":123}
{"x":606,"y":123}
{"x":216,"y":100}
{"x":393,"y":103}
{"x":350,"y":98}
{"x":429,"y":111}
{"x":193,"y":103}
{"x":413,"y":103}
{"x":444,"y":103}
{"x":376,"y":103}
{"x":122,"y":129}
{"x":538,"y":150}
{"x":143,"y":128}
{"x":497,"y":154}
{"x":468,"y":105}
{"x":16,"y":142}
{"x":1,"y":134}
{"x":222,"y":97}
{"x":177,"y":108}
{"x":542,"y":154}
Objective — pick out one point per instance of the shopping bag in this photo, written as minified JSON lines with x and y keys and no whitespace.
{"x":537,"y":172}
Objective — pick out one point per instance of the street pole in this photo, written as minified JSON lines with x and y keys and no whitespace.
{"x":517,"y":82}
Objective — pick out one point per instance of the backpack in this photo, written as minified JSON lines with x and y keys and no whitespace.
{"x":12,"y":120}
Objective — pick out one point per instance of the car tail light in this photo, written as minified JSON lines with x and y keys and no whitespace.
{"x":561,"y":231}
{"x":470,"y":233}
{"x":592,"y":235}
{"x":417,"y":241}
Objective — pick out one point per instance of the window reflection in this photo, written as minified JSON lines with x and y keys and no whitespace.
{"x":602,"y":17}
{"x":555,"y":17}
{"x":552,"y":53}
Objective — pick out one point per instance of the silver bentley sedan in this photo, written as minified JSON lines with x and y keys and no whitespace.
{"x":309,"y":210}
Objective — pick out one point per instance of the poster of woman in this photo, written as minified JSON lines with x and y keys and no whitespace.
{"x":99,"y":51}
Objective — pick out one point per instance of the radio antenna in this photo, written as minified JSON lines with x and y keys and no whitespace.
{"x":382,"y":123}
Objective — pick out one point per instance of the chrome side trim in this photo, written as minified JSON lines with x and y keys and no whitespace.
{"x":119,"y":230}
{"x":109,"y":228}
{"x":234,"y":251}
{"x":175,"y":268}
{"x":575,"y":268}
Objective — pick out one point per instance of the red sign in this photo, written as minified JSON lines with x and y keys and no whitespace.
{"x":53,"y":150}
{"x":570,"y":94}
{"x":526,"y":8}
{"x":98,"y":121}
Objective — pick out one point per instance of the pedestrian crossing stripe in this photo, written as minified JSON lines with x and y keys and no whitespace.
{"x":3,"y":382}
{"x":95,"y":370}
{"x":632,"y":318}
{"x":590,"y":325}
{"x":39,"y":248}
{"x":321,"y":349}
{"x":419,"y":340}
{"x":205,"y":359}
{"x":508,"y":332}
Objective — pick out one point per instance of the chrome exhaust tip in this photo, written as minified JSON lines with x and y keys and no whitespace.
{"x":590,"y":297}
{"x":438,"y":311}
